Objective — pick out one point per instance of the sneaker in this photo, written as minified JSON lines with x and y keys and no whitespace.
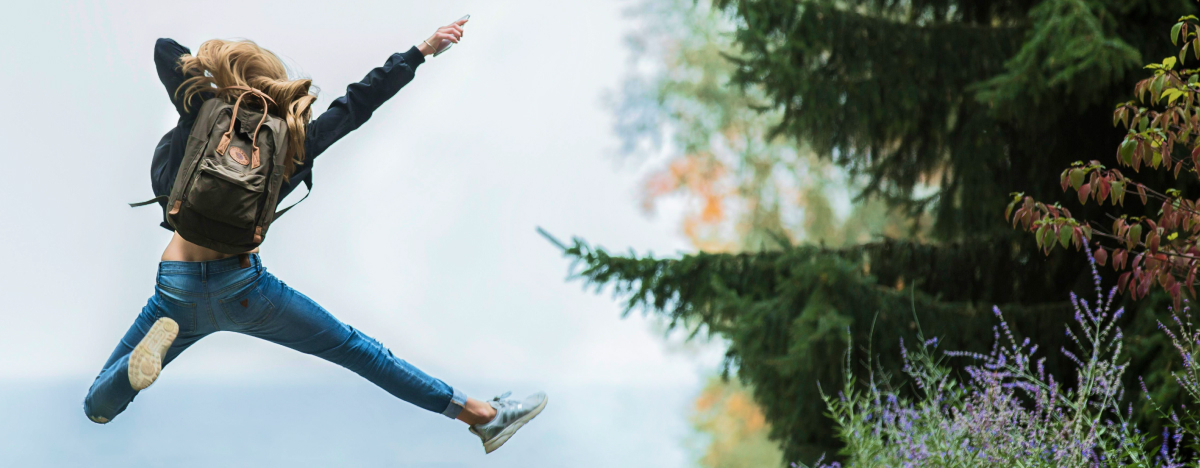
{"x":145,"y":361}
{"x":510,"y":416}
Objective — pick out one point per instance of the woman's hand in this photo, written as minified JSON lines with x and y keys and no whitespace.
{"x":451,"y":32}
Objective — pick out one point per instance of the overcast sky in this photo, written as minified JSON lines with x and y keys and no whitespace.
{"x":421,"y":228}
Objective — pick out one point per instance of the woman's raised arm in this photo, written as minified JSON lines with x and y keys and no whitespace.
{"x":347,"y":113}
{"x":166,"y":60}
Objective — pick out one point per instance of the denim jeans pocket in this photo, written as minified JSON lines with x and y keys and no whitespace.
{"x":247,"y":306}
{"x":177,"y":308}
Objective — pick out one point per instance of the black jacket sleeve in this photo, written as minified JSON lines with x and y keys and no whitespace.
{"x":348,"y":112}
{"x":166,"y":60}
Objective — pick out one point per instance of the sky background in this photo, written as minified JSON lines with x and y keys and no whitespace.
{"x":420,"y":232}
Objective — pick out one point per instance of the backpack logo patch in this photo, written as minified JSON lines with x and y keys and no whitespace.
{"x":238,"y":155}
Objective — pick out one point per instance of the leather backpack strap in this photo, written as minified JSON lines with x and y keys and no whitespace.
{"x":228,"y":136}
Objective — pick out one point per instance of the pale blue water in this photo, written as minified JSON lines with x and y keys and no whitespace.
{"x":343,"y":423}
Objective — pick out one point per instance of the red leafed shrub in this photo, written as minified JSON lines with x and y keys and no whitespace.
{"x":1163,"y":125}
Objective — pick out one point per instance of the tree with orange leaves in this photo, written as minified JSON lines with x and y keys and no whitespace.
{"x":742,"y":186}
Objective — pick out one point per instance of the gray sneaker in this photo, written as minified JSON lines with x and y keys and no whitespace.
{"x":510,"y":416}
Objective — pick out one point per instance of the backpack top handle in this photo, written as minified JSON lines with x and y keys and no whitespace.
{"x":225,"y":139}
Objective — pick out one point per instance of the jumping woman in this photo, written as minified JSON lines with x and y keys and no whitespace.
{"x":218,"y":176}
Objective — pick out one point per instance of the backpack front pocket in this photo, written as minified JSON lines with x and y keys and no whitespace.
{"x":224,"y":194}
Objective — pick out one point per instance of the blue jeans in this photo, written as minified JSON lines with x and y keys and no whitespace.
{"x":220,"y":295}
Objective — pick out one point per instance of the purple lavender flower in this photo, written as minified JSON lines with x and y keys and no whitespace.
{"x":1009,"y":408}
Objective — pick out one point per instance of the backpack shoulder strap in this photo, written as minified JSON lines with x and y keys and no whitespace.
{"x":147,"y":202}
{"x":308,"y":186}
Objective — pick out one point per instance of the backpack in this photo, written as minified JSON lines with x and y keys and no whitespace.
{"x":227,"y":188}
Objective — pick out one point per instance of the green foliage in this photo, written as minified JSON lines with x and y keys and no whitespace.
{"x":786,"y":312}
{"x":969,"y":100}
{"x":1071,"y":56}
{"x":945,"y":108}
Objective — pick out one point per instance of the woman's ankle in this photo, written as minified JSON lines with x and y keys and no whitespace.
{"x":476,"y":412}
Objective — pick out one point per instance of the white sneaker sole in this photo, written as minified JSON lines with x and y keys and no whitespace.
{"x":491,"y":445}
{"x":145,"y":362}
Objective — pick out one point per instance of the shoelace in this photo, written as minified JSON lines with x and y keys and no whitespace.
{"x":502,"y":404}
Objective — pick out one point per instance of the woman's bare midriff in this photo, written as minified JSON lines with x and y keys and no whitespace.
{"x":180,"y":250}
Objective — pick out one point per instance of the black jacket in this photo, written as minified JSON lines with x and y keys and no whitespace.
{"x":344,"y":115}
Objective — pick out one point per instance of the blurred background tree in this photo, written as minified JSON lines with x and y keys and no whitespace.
{"x":926,"y":114}
{"x":736,"y":432}
{"x":741,"y":184}
{"x":710,"y":145}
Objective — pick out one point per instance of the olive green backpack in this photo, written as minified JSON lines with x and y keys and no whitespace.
{"x":228,"y":184}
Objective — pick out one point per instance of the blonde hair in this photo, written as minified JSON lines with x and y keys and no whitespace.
{"x":218,"y":64}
